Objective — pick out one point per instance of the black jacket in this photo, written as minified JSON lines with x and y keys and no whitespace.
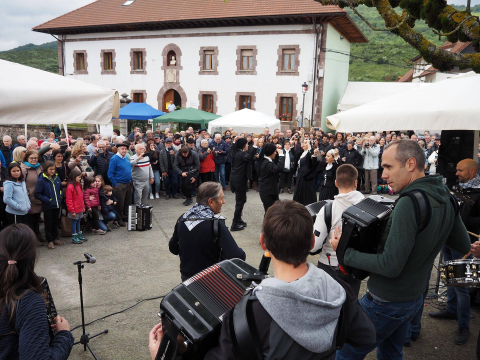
{"x":268,"y":176}
{"x":100,"y":163}
{"x":353,"y":157}
{"x":201,"y":253}
{"x":240,"y":164}
{"x":470,"y":212}
{"x":164,"y":160}
{"x":189,"y":164}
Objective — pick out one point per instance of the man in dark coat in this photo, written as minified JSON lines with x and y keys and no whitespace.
{"x":100,"y":161}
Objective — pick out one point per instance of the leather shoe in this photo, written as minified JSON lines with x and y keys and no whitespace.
{"x":236,"y":227}
{"x":443,"y":314}
{"x":243,"y":223}
{"x":461,"y":335}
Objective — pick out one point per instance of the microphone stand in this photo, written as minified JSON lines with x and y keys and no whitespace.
{"x":85,"y":338}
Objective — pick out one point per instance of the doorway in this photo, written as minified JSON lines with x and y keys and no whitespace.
{"x":169,"y":97}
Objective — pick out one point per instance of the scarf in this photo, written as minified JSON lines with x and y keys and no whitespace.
{"x":198,"y":211}
{"x":474,"y":183}
{"x":32,"y":166}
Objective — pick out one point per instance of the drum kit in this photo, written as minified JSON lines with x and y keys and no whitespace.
{"x":461,"y":272}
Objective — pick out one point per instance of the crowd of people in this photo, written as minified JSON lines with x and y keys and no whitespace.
{"x":94,"y":180}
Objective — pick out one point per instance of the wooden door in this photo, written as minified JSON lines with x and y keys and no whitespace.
{"x":168,"y":98}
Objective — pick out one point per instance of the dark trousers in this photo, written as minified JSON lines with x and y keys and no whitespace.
{"x":186,"y":186}
{"x":268,"y":200}
{"x":360,"y":179}
{"x":228,"y":170}
{"x":240,"y":190}
{"x":123,"y":193}
{"x":3,"y":219}
{"x":205,"y":177}
{"x":16,"y":219}
{"x":94,"y":218}
{"x":51,"y":224}
{"x":286,"y":178}
{"x":171,"y":180}
{"x":33,"y":221}
{"x":350,"y":280}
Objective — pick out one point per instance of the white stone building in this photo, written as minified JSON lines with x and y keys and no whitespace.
{"x":213,"y":55}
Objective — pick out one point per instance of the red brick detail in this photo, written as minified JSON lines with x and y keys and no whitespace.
{"x":144,"y":92}
{"x":80,"y":72}
{"x":278,"y":106}
{"x":167,"y":87}
{"x":132,"y":63}
{"x":201,"y":52}
{"x":60,"y":57}
{"x":215,"y":98}
{"x":239,"y":60}
{"x":102,"y":59}
{"x":253,"y":99}
{"x":280,"y":70}
{"x":317,"y":119}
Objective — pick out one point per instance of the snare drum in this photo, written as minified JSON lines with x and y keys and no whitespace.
{"x":460,"y":273}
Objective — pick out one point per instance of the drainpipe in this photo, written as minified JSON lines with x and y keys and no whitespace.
{"x":315,"y":66}
{"x":63,"y":53}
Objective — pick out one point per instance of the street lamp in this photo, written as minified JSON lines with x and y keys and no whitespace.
{"x":304,"y":90}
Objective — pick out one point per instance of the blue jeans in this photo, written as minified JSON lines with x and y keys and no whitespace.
{"x":391,"y":320}
{"x":75,"y":226}
{"x":171,"y":180}
{"x":458,"y":299}
{"x":156,"y":176}
{"x":220,"y":169}
{"x":111,"y":216}
{"x":416,"y":323}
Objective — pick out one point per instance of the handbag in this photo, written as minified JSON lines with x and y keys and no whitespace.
{"x":66,"y":226}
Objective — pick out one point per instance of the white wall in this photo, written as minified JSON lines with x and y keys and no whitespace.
{"x":266,"y":84}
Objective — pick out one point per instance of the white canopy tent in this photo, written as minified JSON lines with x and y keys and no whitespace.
{"x":358,"y":93}
{"x":243,"y":120}
{"x":451,"y":104}
{"x":32,"y":96}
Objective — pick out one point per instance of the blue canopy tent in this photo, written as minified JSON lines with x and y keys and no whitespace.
{"x":139,"y":111}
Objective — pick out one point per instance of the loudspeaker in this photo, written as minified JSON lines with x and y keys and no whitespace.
{"x":456,"y":145}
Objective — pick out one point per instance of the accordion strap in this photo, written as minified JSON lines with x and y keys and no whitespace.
{"x":169,"y":345}
{"x":343,"y":244}
{"x":243,"y":330}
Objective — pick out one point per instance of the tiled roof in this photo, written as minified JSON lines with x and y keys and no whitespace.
{"x":111,"y":15}
{"x":407,"y":77}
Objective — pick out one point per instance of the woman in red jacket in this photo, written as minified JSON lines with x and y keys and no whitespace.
{"x":75,"y":205}
{"x":207,"y":165}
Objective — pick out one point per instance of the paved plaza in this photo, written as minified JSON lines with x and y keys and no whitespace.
{"x":132,"y":266}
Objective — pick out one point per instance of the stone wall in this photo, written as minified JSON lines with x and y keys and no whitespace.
{"x":38,"y":131}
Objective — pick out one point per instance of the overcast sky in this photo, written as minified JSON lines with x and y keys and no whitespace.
{"x":18,"y":17}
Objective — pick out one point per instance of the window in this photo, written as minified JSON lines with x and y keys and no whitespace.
{"x":80,"y":62}
{"x":247,"y":60}
{"x":137,"y":60}
{"x":128,"y":2}
{"x":286,"y":108}
{"x":288,"y":57}
{"x":138,"y":98}
{"x":107,"y":61}
{"x":245,"y":102}
{"x":171,"y":58}
{"x":208,"y":61}
{"x":207,"y":103}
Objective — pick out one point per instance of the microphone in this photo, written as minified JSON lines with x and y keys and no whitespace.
{"x":90,"y":258}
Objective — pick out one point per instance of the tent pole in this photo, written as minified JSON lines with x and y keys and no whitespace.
{"x":26,"y":137}
{"x":475,"y":144}
{"x":66,"y":134}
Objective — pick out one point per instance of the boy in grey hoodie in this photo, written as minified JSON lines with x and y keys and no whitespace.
{"x":142,"y":174}
{"x":346,"y":182}
{"x":296,"y":313}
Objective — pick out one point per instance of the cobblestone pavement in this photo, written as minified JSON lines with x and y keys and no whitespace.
{"x":132,"y":266}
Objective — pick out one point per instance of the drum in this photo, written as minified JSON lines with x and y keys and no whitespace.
{"x":460,"y":273}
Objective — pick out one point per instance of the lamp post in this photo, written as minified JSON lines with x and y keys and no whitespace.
{"x":304,"y":90}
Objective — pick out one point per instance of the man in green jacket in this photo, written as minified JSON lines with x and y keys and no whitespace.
{"x":398,"y":272}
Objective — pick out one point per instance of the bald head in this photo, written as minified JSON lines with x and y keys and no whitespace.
{"x":466,"y":170}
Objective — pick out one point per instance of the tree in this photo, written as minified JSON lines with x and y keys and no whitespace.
{"x":443,"y":19}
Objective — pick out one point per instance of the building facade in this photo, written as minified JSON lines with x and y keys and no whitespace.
{"x":222,"y":67}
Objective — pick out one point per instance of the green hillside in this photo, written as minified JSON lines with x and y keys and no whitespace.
{"x":383,"y":57}
{"x":43,"y":57}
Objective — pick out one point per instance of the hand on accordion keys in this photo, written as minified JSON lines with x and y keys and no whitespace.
{"x":60,"y":324}
{"x":335,"y":239}
{"x":155,"y":339}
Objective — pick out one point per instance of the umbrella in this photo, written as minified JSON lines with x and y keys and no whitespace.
{"x":32,"y":96}
{"x":450,"y":104}
{"x":245,"y":119}
{"x":139,"y":111}
{"x":188,"y":115}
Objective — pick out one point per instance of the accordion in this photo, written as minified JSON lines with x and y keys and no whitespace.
{"x":197,"y":306}
{"x":140,"y":217}
{"x":315,"y":208}
{"x":50,"y":306}
{"x":362,"y":228}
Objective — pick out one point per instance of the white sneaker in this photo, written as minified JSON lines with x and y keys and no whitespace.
{"x":151,"y":197}
{"x":157,"y":196}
